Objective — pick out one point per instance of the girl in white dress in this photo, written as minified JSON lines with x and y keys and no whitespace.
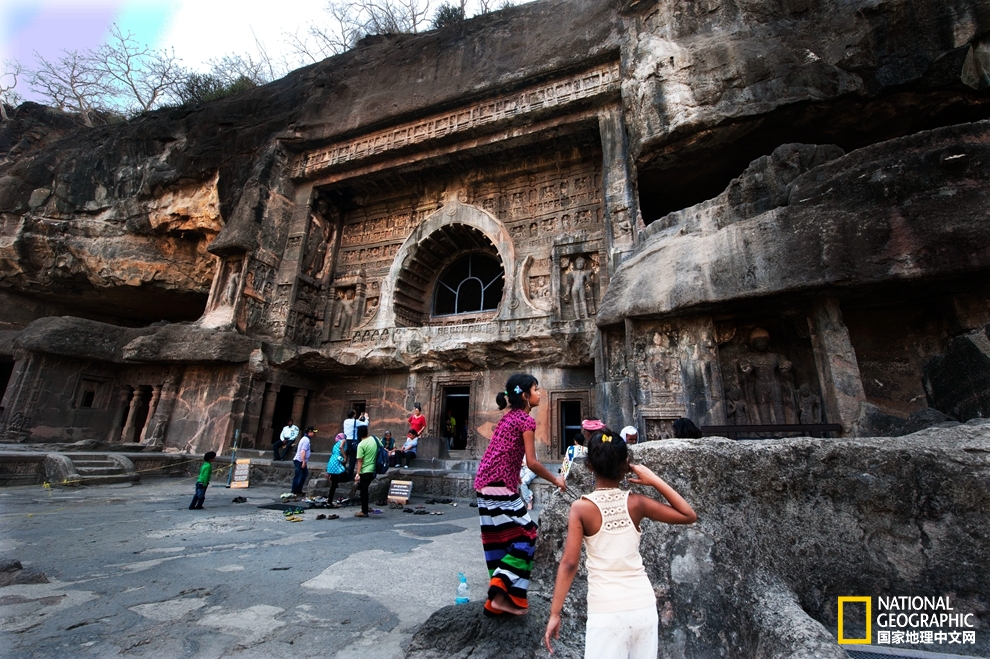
{"x":622,"y":608}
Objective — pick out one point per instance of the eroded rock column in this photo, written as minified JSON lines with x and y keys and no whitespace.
{"x":127,"y":434}
{"x":838,"y":369}
{"x":156,"y":393}
{"x":299,"y":406}
{"x":267,"y":415}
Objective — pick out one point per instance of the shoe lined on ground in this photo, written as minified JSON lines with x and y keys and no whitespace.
{"x":360,"y":514}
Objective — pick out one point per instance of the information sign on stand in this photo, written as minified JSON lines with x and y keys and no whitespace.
{"x":242,"y":472}
{"x":399,"y":493}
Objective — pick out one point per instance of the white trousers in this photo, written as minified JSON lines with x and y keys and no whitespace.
{"x":622,"y":635}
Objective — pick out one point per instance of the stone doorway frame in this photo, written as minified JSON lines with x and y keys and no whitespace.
{"x":558,"y":396}
{"x":438,"y":385}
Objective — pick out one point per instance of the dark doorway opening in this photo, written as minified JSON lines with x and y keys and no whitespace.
{"x":6,"y":370}
{"x":456,"y":403}
{"x":282,"y":413}
{"x":570,"y":423}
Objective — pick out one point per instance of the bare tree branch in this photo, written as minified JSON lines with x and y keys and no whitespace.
{"x":140,"y":77}
{"x":8,"y":82}
{"x":74,"y":83}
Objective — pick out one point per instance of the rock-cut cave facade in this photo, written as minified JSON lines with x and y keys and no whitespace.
{"x":741,"y":213}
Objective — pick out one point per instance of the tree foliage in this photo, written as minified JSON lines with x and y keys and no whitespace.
{"x":448,"y":14}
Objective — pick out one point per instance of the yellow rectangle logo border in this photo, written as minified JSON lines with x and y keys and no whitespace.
{"x":869,"y":621}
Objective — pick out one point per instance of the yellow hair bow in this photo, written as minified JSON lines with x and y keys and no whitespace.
{"x":606,"y":438}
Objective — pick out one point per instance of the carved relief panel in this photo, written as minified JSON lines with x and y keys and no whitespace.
{"x":769,"y":374}
{"x":576,"y":281}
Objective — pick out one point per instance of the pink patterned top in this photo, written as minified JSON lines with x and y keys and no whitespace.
{"x":505,"y":452}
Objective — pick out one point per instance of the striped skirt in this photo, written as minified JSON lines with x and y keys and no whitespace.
{"x":508,"y":535}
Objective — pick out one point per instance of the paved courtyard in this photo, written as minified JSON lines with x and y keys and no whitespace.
{"x":133,"y":573}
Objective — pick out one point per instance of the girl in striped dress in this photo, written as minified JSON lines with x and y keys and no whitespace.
{"x":507,"y":531}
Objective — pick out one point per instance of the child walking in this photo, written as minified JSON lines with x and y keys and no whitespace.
{"x":508,"y":534}
{"x":203,"y":481}
{"x":622,"y":608}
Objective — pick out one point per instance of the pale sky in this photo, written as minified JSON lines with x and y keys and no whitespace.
{"x":198,"y":30}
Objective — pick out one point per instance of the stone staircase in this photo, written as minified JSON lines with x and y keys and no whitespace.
{"x":89,"y":469}
{"x":451,"y":477}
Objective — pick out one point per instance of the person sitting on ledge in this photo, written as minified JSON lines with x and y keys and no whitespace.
{"x":408,"y":450}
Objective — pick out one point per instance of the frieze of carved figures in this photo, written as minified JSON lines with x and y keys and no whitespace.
{"x":659,"y":429}
{"x":765,"y":392}
{"x":615,"y":360}
{"x":578,"y":277}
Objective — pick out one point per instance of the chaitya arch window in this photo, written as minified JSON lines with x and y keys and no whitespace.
{"x":471,"y":284}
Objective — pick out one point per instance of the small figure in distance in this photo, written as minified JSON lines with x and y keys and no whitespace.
{"x":203,"y":481}
{"x":337,"y":466}
{"x":629,"y":435}
{"x":622,"y":607}
{"x":282,"y":445}
{"x":408,"y":451}
{"x":416,"y":420}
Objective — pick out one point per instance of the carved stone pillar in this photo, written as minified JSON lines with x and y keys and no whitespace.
{"x":838,"y":370}
{"x":156,"y":394}
{"x":154,"y":434}
{"x":127,"y":435}
{"x":123,"y":400}
{"x":299,"y":405}
{"x":267,"y":414}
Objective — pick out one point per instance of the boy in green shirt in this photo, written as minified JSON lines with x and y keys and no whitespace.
{"x":367,"y":450}
{"x":203,"y":481}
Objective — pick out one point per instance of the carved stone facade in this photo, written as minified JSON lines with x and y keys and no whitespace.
{"x":592,"y":208}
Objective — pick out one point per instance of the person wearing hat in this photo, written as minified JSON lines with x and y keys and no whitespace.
{"x":301,"y":461}
{"x":629,"y":435}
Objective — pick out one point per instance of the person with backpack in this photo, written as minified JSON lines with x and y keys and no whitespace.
{"x":367,"y":457}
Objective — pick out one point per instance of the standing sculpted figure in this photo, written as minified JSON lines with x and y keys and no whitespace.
{"x":759,"y":373}
{"x":578,"y":281}
{"x":230,"y":291}
{"x":345,"y":314}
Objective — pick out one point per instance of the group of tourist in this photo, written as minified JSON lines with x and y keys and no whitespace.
{"x":352,"y":457}
{"x":622,"y":615}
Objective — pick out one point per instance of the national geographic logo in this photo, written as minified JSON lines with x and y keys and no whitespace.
{"x":909,"y":620}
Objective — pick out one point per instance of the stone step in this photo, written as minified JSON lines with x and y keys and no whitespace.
{"x":95,"y":463}
{"x":98,"y":471}
{"x":108,"y":479}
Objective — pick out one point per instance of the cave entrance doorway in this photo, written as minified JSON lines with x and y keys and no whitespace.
{"x":456,"y":401}
{"x":283,"y":410}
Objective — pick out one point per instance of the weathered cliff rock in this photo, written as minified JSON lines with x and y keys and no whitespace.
{"x":700,"y":71}
{"x":787,"y":526}
{"x":875,"y":215}
{"x":137,"y":204}
{"x":87,"y":339}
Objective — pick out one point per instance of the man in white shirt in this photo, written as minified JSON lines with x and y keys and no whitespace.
{"x":301,"y":461}
{"x":283,"y":444}
{"x":351,"y":424}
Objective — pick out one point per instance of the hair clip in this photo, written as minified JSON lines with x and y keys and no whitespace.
{"x":517,"y":390}
{"x":505,"y":393}
{"x":606,"y":438}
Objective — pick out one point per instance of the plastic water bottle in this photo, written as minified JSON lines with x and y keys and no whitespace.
{"x":463,"y":590}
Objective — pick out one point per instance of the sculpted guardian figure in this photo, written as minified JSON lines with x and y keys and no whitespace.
{"x":578,"y":281}
{"x":760,"y":376}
